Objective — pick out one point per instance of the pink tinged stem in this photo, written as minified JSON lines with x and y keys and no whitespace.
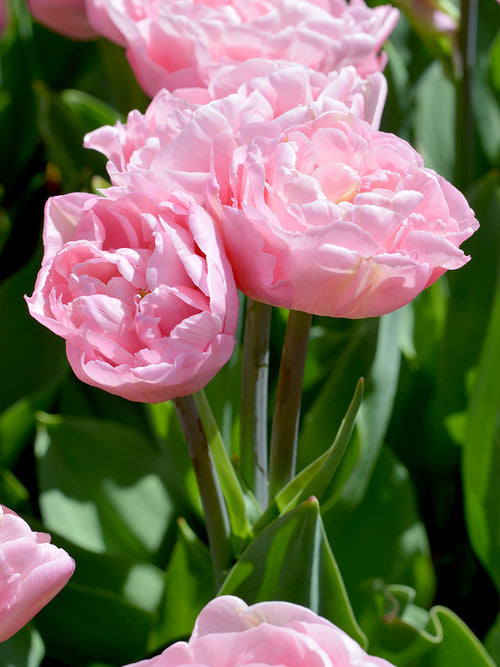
{"x":287,"y":403}
{"x":254,"y":394}
{"x":214,"y":508}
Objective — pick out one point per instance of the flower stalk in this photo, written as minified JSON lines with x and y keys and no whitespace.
{"x":254,"y":394}
{"x":464,"y":130}
{"x":216,"y":518}
{"x":287,"y":403}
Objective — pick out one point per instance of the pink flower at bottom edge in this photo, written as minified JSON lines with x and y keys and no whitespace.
{"x":228,"y":632}
{"x":32,"y":572}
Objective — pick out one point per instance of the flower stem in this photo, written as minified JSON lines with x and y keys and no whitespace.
{"x":253,"y":407}
{"x":216,"y":519}
{"x":287,"y":403}
{"x":464,"y":131}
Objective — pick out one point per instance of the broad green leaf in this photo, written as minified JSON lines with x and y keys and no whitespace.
{"x":90,"y":112}
{"x":381,"y":538}
{"x":79,"y":399}
{"x":223,"y":393}
{"x":459,"y":646}
{"x":292,"y":560}
{"x":189,"y":587}
{"x":492,"y":641}
{"x":24,"y":649}
{"x":481,"y":453}
{"x":12,"y":492}
{"x":30,"y":355}
{"x":137,"y":583}
{"x":323,"y":416}
{"x":18,"y":135}
{"x":410,"y":635}
{"x":230,"y":486}
{"x":494,"y":58}
{"x":313,"y":480}
{"x":378,"y":400}
{"x":434,"y":120}
{"x":101,"y":486}
{"x":487,"y":113}
{"x":18,"y":422}
{"x":472,"y":290}
{"x":121,"y":83}
{"x":82,"y":624}
{"x":63,"y":130}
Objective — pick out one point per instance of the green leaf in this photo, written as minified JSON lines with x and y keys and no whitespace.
{"x":189,"y":587}
{"x":18,"y":133}
{"x":90,"y":112}
{"x":378,"y":400}
{"x":30,"y":355}
{"x":291,"y":560}
{"x":62,"y":126}
{"x":410,"y":635}
{"x":313,"y":480}
{"x":18,"y":422}
{"x":101,"y":486}
{"x":12,"y":492}
{"x":492,"y":641}
{"x":472,"y":290}
{"x":481,"y":453}
{"x":230,"y":486}
{"x":487,"y":112}
{"x":24,"y":649}
{"x":381,"y":538}
{"x":459,"y":646}
{"x":82,"y":624}
{"x":435,"y":120}
{"x":121,"y":82}
{"x":323,"y":416}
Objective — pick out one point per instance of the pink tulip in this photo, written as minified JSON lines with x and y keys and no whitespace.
{"x":32,"y":572}
{"x":67,"y":17}
{"x":182,"y":43}
{"x":331,"y":217}
{"x":142,"y":292}
{"x":228,"y":632}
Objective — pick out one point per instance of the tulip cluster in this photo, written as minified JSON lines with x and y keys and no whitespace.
{"x":280,"y":179}
{"x":258,"y":166}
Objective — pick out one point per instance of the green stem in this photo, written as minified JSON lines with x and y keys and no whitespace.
{"x":464,"y":131}
{"x":253,"y":405}
{"x":287,"y":403}
{"x":216,"y":519}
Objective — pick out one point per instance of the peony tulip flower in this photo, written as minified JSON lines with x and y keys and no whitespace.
{"x":183,"y":43}
{"x":32,"y":572}
{"x":67,"y":17}
{"x":228,"y":632}
{"x":331,"y":217}
{"x":141,"y":291}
